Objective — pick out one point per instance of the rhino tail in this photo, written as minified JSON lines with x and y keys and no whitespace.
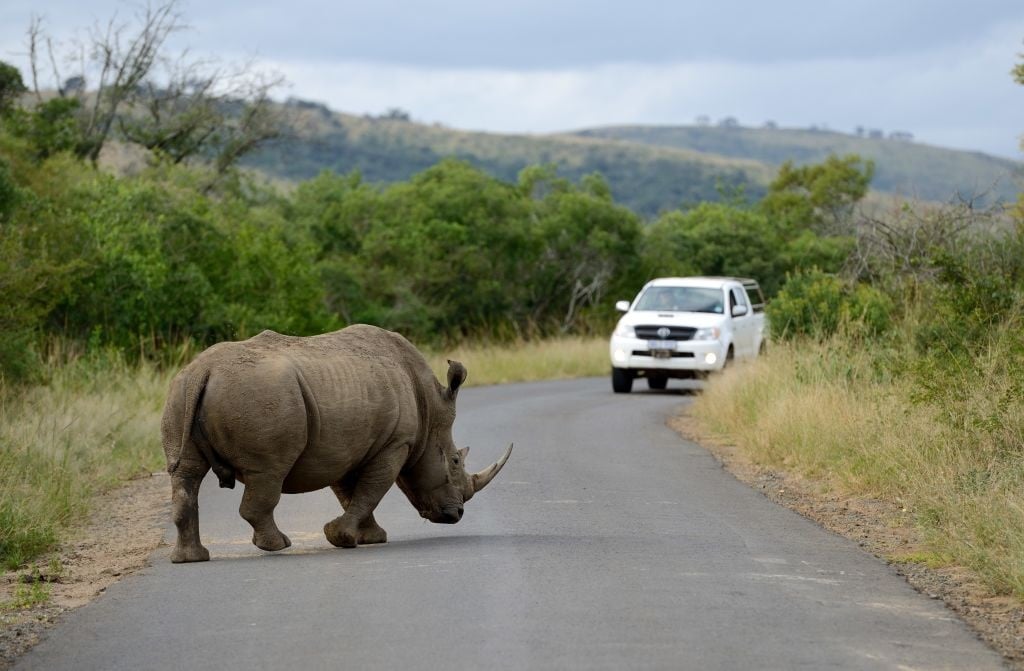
{"x":192,"y":431}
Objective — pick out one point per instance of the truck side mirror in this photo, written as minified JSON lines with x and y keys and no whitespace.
{"x":739,"y":310}
{"x":622,"y":306}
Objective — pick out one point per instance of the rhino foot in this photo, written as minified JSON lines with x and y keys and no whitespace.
{"x":271,"y":543}
{"x":185,"y":554}
{"x":372,"y":535}
{"x":339,"y":534}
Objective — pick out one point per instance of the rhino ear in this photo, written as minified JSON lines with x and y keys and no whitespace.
{"x":456,"y":376}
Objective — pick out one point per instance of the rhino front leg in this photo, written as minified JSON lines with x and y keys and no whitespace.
{"x":369,"y":488}
{"x":369,"y":531}
{"x":185,"y":513}
{"x":262,"y":493}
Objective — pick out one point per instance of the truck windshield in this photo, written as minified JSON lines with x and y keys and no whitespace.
{"x":681,"y":299}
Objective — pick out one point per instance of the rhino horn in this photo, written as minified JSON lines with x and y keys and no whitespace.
{"x":481,"y":479}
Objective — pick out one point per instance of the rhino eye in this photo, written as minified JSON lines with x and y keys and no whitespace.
{"x":455,"y":460}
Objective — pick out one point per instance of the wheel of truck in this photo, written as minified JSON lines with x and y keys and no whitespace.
{"x":762,"y":348}
{"x":657,"y":382}
{"x":622,"y":381}
{"x":729,"y":356}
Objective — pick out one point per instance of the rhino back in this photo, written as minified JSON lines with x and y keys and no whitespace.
{"x":317,"y":407}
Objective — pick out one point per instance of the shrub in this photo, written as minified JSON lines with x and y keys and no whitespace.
{"x":817,"y":305}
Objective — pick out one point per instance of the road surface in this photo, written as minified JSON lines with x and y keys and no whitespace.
{"x":606,"y":543}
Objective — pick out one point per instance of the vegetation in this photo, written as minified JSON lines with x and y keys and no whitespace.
{"x":125,"y":86}
{"x":902,"y":380}
{"x":386,"y":150}
{"x":101,"y":425}
{"x":908,"y":169}
{"x":649,"y":169}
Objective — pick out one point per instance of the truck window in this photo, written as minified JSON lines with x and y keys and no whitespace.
{"x":737,"y":298}
{"x":755,"y":295}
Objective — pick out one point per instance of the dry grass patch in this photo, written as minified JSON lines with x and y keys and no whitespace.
{"x":956,"y":463}
{"x":93,"y":425}
{"x":554,"y":359}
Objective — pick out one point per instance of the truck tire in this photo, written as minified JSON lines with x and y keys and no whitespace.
{"x":622,"y":381}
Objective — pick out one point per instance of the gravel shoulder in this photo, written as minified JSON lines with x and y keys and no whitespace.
{"x":126,"y":525}
{"x":887,"y":532}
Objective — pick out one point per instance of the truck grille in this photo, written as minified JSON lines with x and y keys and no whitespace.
{"x":650,"y":332}
{"x":671,"y":355}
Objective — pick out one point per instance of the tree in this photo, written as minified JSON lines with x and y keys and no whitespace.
{"x":1018,"y":76}
{"x":819,"y":197}
{"x":204,"y":112}
{"x":588,"y":246}
{"x":179,"y":108}
{"x":11,"y":86}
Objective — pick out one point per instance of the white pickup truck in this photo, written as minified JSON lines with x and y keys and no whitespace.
{"x":683,"y":327}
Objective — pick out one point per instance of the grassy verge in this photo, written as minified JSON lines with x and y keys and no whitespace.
{"x":560,"y":358}
{"x":954,"y":459}
{"x":96,"y":422}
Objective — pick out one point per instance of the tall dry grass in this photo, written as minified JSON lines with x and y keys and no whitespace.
{"x":954,"y":460}
{"x":558,"y":358}
{"x":93,"y":424}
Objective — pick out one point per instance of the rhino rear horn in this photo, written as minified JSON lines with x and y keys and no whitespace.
{"x":481,"y":479}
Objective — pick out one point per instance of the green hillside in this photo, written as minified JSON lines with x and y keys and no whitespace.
{"x":649,"y":168}
{"x":645,"y":178}
{"x":901,"y":167}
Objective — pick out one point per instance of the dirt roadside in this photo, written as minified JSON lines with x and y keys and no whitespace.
{"x":887,"y":532}
{"x":126,"y":525}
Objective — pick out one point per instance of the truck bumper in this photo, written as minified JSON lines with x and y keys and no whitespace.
{"x":634,"y":354}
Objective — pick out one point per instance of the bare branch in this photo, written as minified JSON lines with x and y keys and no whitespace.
{"x":35,"y":30}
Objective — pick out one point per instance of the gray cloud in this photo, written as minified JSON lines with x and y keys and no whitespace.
{"x":938,"y":69}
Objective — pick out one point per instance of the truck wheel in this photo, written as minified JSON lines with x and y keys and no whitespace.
{"x":622,"y":381}
{"x":657,"y":382}
{"x":730,"y":355}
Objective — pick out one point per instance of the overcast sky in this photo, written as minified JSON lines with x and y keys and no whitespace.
{"x":938,"y":69}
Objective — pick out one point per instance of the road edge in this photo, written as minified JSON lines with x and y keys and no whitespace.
{"x":882,"y":529}
{"x":124,"y":528}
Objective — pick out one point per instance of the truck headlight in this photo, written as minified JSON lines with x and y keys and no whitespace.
{"x":624,"y":331}
{"x":707,"y":334}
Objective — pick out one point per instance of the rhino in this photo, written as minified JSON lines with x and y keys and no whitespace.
{"x":356,"y":410}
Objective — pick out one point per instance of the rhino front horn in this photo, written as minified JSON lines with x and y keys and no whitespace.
{"x":481,"y":479}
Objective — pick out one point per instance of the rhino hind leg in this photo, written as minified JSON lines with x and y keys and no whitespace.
{"x":261,"y":496}
{"x":185,"y":513}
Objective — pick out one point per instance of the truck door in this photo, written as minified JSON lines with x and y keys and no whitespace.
{"x":742,"y":325}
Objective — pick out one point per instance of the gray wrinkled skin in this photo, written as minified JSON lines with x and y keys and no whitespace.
{"x":355,"y":410}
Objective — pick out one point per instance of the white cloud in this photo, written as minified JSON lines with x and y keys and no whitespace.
{"x":961,"y":98}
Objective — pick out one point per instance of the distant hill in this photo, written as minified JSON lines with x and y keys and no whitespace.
{"x":649,"y":169}
{"x":901,"y":167}
{"x":645,"y":178}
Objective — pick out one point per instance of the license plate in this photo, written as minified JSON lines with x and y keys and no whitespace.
{"x":663,"y":345}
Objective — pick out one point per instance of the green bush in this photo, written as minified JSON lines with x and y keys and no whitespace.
{"x":817,"y":305}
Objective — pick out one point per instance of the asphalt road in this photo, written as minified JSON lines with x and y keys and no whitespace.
{"x":606,"y":543}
